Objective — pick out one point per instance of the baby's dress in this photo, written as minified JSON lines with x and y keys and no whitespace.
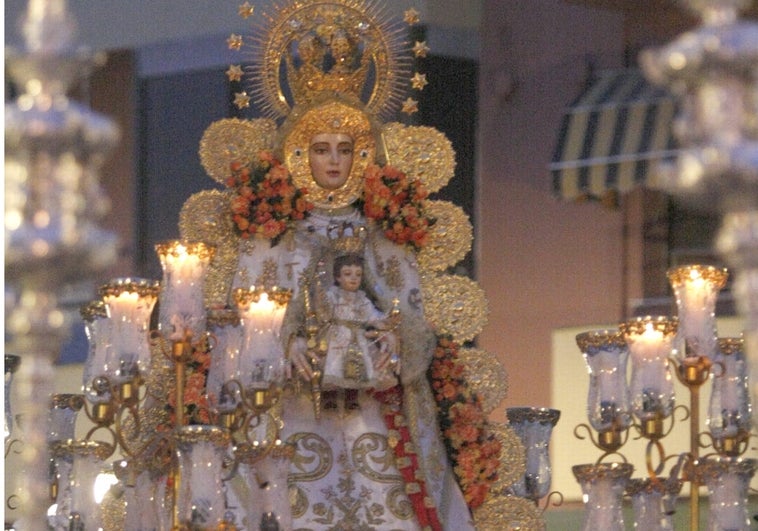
{"x":350,"y":354}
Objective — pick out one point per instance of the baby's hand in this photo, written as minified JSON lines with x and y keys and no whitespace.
{"x":298,"y":355}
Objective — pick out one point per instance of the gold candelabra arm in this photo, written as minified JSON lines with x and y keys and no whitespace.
{"x":554,"y":499}
{"x":608,"y":441}
{"x":692,"y":371}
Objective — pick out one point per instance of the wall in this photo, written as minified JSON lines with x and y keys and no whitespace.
{"x":544,"y":264}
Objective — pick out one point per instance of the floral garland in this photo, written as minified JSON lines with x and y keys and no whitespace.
{"x":475,"y":454}
{"x":406,"y":458}
{"x":196,"y":405}
{"x":398,"y":204}
{"x":265,"y":200}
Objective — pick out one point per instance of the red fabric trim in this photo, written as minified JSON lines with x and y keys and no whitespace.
{"x":415,"y":486}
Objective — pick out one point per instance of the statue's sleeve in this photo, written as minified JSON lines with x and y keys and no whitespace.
{"x":392,"y":274}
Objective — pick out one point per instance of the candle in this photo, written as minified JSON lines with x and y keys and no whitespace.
{"x":652,"y":387}
{"x":182,"y":308}
{"x":261,"y":315}
{"x":129,"y":303}
{"x":696,"y":289}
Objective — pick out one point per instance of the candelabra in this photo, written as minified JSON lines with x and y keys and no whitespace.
{"x":174,"y":438}
{"x":664,"y":349}
{"x":712,"y":69}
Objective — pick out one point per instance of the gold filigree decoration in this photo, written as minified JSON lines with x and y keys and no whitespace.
{"x":450,"y":237}
{"x":373,"y":449}
{"x":391,"y":272}
{"x":113,"y":511}
{"x":231,"y":139}
{"x":269,"y":274}
{"x":298,"y":501}
{"x":420,"y":152}
{"x":486,"y":376}
{"x":454,"y":305}
{"x":206,"y":217}
{"x":398,"y":503}
{"x":508,"y":512}
{"x":327,"y":47}
{"x":313,"y":457}
{"x":512,"y":456}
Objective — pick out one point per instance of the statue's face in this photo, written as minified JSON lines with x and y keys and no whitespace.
{"x":331,"y":157}
{"x":350,"y":277}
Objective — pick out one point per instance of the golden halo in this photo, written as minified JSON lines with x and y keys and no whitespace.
{"x":454,"y":305}
{"x":232,"y":139}
{"x":206,"y":217}
{"x":508,"y":512}
{"x":333,"y":116}
{"x":449,"y":237}
{"x":420,"y":152}
{"x":486,"y":376}
{"x":275,"y":48}
{"x":512,"y":456}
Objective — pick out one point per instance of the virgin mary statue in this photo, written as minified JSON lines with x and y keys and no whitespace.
{"x":320,"y":178}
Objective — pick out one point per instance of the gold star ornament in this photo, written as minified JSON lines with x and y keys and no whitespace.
{"x":234,"y":41}
{"x":410,"y":106}
{"x":241,"y":100}
{"x":420,"y":49}
{"x":418,"y":81}
{"x":245,"y":10}
{"x":411,"y":17}
{"x":234,"y":73}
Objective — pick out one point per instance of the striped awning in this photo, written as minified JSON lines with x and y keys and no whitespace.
{"x":612,"y":136}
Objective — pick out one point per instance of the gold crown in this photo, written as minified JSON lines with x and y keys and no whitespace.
{"x":305,"y":48}
{"x":347,"y":239}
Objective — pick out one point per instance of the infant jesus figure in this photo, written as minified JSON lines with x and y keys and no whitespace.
{"x":362,"y":348}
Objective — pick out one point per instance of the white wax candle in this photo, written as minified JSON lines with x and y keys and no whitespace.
{"x":182,"y":305}
{"x":649,"y":344}
{"x":696,"y":307}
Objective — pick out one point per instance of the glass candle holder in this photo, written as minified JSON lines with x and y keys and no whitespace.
{"x":273,"y":471}
{"x":603,"y":488}
{"x":606,"y":354}
{"x":262,"y":353}
{"x":696,"y":288}
{"x":129,"y":303}
{"x":224,"y":325}
{"x":201,"y":451}
{"x":63,"y":413}
{"x":182,"y":308}
{"x":11,"y":366}
{"x":729,"y":413}
{"x":652,"y":386}
{"x":97,"y":328}
{"x":653,"y":503}
{"x":534,"y":426}
{"x":728,"y":481}
{"x":88,"y":458}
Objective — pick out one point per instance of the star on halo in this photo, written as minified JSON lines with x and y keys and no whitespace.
{"x":410,"y":106}
{"x":420,"y":49}
{"x":418,"y":81}
{"x":234,"y":41}
{"x":234,"y":73}
{"x":241,"y":100}
{"x":245,"y":10}
{"x":411,"y":17}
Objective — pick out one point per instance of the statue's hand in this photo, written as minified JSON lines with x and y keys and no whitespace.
{"x":389,"y":354}
{"x":299,"y":359}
